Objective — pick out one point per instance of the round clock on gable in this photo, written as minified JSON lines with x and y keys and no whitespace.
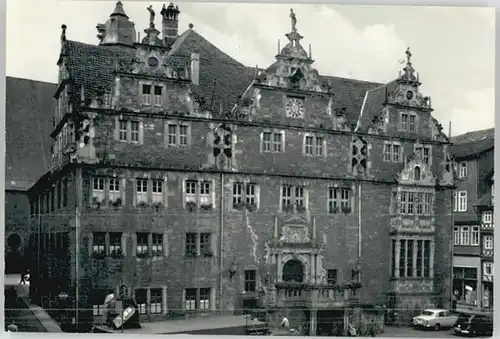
{"x":295,"y":108}
{"x":152,"y":62}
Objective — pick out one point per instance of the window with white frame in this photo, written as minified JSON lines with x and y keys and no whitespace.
{"x":129,"y":131}
{"x":204,"y":298}
{"x":244,"y":194}
{"x":474,"y":239}
{"x":488,"y":242}
{"x":98,"y":190}
{"x":157,"y":244}
{"x":293,"y":198}
{"x":115,"y":244}
{"x":488,"y":268}
{"x":190,"y":296}
{"x":156,"y":304}
{"x":314,"y":145}
{"x":114,"y":191}
{"x":462,"y":169}
{"x":157,"y":191}
{"x":414,"y":258}
{"x":408,"y":122}
{"x":487,"y":217}
{"x":199,"y":193}
{"x":141,"y":191}
{"x":465,"y":236}
{"x":462,"y":201}
{"x":177,"y":134}
{"x":198,"y":244}
{"x":339,"y":200}
{"x":158,"y":96}
{"x":392,"y":152}
{"x":99,"y":244}
{"x":426,"y":154}
{"x":141,"y":300}
{"x":272,"y":142}
{"x":456,"y":235}
{"x":455,"y":201}
{"x":142,"y":245}
{"x":146,"y":94}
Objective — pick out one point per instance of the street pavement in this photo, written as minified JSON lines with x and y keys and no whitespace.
{"x":409,"y":332}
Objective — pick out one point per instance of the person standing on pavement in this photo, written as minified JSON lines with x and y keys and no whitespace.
{"x":23,"y":277}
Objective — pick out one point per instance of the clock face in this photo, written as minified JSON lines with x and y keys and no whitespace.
{"x":295,"y":108}
{"x":409,"y":95}
{"x":152,"y":62}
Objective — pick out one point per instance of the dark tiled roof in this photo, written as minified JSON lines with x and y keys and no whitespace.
{"x":484,"y":200}
{"x":473,"y":143}
{"x":373,"y":104}
{"x":29,"y":109}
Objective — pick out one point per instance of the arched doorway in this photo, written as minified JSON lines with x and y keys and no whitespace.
{"x":13,"y":258}
{"x":293,"y":271}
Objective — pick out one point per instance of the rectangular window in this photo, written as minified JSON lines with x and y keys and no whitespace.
{"x":465,"y":236}
{"x":99,"y":244}
{"x":114,"y":190}
{"x":250,"y":194}
{"x":488,"y":242}
{"x":332,"y":277}
{"x":309,"y":145}
{"x":387,"y":152}
{"x":393,"y":257}
{"x":412,"y":123}
{"x":410,"y":202}
{"x":293,"y":198}
{"x":409,"y":258}
{"x":404,"y":122}
{"x":59,"y":195}
{"x":487,"y":217}
{"x":146,"y":94}
{"x":115,"y":244}
{"x":65,"y":192}
{"x":402,"y":258}
{"x":183,"y":135}
{"x":394,"y":202}
{"x":98,"y":296}
{"x":134,"y":131}
{"x":141,"y":300}
{"x":455,"y":201}
{"x":488,"y":268}
{"x":428,"y":203}
{"x":205,"y":248}
{"x":396,"y":153}
{"x":392,"y":152}
{"x":404,"y":204}
{"x":426,"y":155}
{"x":142,"y":247}
{"x":158,"y":96}
{"x":427,"y":258}
{"x":141,"y":194}
{"x":191,"y":191}
{"x":320,"y":146}
{"x":339,"y":200}
{"x":156,"y":301}
{"x":456,"y":235}
{"x":462,"y":201}
{"x":157,"y":245}
{"x":157,"y":188}
{"x":190,"y":299}
{"x":172,"y":135}
{"x":462,"y":169}
{"x":277,"y":142}
{"x":122,"y":130}
{"x":237,"y":193}
{"x":204,"y":298}
{"x":420,"y":203}
{"x":205,"y":196}
{"x":474,"y":240}
{"x":420,"y":245}
{"x":250,"y":280}
{"x":266,"y":141}
{"x":191,"y":247}
{"x":98,"y":190}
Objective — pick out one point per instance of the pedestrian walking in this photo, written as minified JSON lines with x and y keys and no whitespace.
{"x":23,"y":277}
{"x":372,"y":328}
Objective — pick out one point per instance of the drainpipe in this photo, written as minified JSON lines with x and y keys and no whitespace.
{"x":221,"y":238}
{"x":359,"y":267}
{"x":78,"y":192}
{"x":452,"y":217}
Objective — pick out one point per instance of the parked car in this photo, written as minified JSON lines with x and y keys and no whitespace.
{"x":473,"y":324}
{"x":435,"y":319}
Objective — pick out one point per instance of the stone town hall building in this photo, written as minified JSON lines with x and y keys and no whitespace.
{"x":200,"y":184}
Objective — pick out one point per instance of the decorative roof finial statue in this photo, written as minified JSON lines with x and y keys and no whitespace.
{"x":408,"y":56}
{"x":293,"y":19}
{"x":151,"y":15}
{"x":63,"y":32}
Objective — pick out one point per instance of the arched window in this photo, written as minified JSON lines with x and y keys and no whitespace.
{"x":417,"y":173}
{"x":293,"y":271}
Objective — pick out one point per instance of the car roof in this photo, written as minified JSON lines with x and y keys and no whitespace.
{"x":436,"y":310}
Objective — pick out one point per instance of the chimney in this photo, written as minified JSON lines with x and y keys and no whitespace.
{"x":170,"y":24}
{"x":195,"y":68}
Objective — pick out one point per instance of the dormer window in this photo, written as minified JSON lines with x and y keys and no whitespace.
{"x":152,"y":94}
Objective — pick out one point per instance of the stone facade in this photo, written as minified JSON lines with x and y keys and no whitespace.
{"x":195,"y":201}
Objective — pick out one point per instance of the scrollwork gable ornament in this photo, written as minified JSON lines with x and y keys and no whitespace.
{"x":379,"y":123}
{"x":416,"y":172}
{"x":448,"y":174}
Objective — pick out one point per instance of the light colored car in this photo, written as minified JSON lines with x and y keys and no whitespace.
{"x":435,"y":319}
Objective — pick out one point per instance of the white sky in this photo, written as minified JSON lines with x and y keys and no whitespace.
{"x":453,"y":48}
